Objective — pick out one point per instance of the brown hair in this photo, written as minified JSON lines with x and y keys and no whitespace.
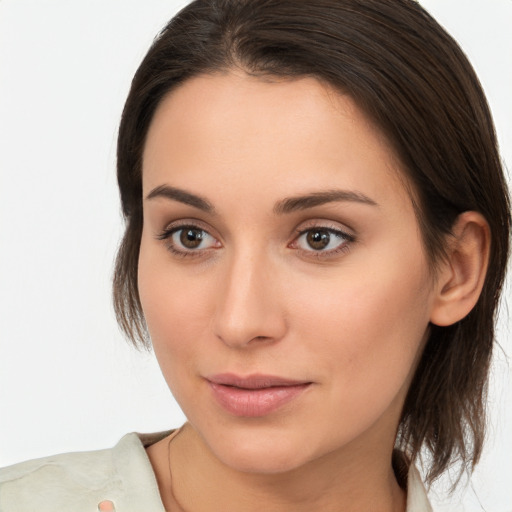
{"x":415,"y":83}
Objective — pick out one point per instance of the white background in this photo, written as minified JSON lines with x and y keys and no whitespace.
{"x":68,"y":381}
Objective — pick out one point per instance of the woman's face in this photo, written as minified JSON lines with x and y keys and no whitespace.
{"x":281,"y":273}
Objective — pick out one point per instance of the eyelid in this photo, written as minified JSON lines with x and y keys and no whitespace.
{"x":183,"y":221}
{"x":328,"y":225}
{"x":188,"y":222}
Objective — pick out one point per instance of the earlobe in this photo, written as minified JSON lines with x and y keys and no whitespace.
{"x":461,"y":277}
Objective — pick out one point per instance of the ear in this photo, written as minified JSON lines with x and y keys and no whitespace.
{"x":461,"y":276}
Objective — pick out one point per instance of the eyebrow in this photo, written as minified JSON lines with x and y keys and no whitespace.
{"x":303,"y":202}
{"x":182,"y":196}
{"x":287,"y":205}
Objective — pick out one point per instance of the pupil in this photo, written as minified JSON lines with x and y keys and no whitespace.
{"x":318,"y":239}
{"x":191,"y":238}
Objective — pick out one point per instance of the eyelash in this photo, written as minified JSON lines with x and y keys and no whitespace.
{"x":347,"y":240}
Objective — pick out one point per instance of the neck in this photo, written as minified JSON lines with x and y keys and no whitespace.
{"x":353,"y":479}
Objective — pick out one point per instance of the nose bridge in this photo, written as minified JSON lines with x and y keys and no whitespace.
{"x":248,"y":307}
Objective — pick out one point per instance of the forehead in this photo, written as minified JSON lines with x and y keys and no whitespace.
{"x":231,"y":128}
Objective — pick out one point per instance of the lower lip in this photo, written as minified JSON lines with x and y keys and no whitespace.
{"x":255,"y":402}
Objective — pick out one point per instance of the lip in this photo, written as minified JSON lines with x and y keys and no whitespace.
{"x":254,"y":395}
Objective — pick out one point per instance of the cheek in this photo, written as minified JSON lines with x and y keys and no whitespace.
{"x":177,"y":312}
{"x":172,"y":311}
{"x":367,"y":332}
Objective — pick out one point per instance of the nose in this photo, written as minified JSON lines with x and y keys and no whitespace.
{"x":249,"y":309}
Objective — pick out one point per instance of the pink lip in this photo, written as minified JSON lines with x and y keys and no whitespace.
{"x":254,"y":395}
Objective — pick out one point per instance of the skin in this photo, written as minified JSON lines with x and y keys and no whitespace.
{"x":256,"y":298}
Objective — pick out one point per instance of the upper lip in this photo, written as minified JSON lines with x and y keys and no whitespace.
{"x":254,"y":381}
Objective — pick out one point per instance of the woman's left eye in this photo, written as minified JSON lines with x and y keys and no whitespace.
{"x":323,"y":240}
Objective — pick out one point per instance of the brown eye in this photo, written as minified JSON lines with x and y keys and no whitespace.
{"x":318,"y":239}
{"x":188,"y":240}
{"x":323,"y":240}
{"x":191,"y":238}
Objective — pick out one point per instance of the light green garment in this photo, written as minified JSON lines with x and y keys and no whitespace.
{"x":79,"y":482}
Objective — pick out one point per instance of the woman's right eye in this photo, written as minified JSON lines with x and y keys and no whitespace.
{"x":188,"y":240}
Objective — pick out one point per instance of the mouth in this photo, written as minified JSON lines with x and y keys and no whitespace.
{"x":254,"y":395}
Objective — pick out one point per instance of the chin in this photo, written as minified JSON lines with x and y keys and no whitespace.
{"x":264,"y":451}
{"x":262,"y":462}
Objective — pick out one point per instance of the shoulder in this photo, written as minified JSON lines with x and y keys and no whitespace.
{"x":79,"y":481}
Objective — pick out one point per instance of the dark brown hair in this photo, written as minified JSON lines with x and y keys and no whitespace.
{"x":415,"y":83}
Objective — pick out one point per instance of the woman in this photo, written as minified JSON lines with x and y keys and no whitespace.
{"x":317,"y":233}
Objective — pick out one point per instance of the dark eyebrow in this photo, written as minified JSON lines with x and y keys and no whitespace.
{"x":292,"y":204}
{"x":182,"y":196}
